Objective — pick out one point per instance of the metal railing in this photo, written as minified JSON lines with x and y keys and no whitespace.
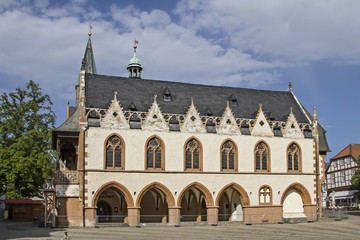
{"x":338,"y":214}
{"x":179,"y":220}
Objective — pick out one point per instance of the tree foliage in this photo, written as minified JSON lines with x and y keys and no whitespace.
{"x":26,"y":158}
{"x":355,"y":180}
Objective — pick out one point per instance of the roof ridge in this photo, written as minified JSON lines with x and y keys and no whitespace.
{"x":194,"y":84}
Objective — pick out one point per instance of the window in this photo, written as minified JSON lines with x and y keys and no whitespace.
{"x":265,"y":196}
{"x":193,"y":155}
{"x":262,"y":161}
{"x":114,"y":152}
{"x":228,"y":156}
{"x":155,"y":154}
{"x":294,"y":158}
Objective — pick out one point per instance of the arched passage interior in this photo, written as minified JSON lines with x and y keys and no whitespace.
{"x":154,"y":206}
{"x":111,"y":206}
{"x":154,"y":202}
{"x":194,"y":201}
{"x":230,"y":208}
{"x":231,"y":200}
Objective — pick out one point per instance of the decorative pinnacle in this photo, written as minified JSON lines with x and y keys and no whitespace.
{"x":260,"y":105}
{"x":290,"y":86}
{"x":115,"y":94}
{"x":90,"y":27}
{"x":314,"y":114}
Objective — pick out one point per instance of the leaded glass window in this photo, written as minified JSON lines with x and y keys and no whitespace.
{"x":114,"y":154}
{"x":154,"y":154}
{"x":193,"y":155}
{"x":228,"y":152}
{"x":293,"y":157}
{"x":261,"y":157}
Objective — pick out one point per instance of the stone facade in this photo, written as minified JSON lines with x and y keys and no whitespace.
{"x":138,"y":166}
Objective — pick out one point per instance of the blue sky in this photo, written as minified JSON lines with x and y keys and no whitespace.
{"x":253,"y":44}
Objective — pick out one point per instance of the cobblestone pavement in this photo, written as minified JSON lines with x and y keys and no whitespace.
{"x":323,"y":229}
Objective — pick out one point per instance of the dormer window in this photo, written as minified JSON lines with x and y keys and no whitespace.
{"x":132,"y":107}
{"x":167,"y":96}
{"x":233,"y":101}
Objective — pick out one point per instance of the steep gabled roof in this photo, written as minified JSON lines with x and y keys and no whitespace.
{"x":276,"y":104}
{"x":351,"y":150}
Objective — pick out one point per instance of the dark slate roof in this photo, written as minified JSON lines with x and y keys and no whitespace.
{"x":71,"y":124}
{"x":243,"y":102}
{"x":323,"y":144}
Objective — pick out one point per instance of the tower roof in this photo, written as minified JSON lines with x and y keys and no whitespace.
{"x":135,"y":61}
{"x":89,"y":60}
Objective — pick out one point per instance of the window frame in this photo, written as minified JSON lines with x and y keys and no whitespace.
{"x":122,"y":144}
{"x":268,"y":160}
{"x":200,"y":148}
{"x":235,"y":149}
{"x":299,"y":158}
{"x":162,"y":149}
{"x":271,"y":195}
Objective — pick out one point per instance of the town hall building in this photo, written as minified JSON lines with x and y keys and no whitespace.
{"x":135,"y":150}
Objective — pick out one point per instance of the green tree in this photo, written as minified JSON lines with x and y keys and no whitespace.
{"x":355,"y":180}
{"x":26,"y":158}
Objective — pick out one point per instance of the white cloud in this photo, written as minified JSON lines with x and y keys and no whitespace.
{"x":297,"y":30}
{"x":229,"y":42}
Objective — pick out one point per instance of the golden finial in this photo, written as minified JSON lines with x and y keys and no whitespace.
{"x":135,"y":44}
{"x":90,"y":27}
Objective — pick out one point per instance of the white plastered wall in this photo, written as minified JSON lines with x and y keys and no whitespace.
{"x":135,"y":178}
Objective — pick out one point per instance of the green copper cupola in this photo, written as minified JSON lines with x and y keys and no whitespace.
{"x":134,"y":68}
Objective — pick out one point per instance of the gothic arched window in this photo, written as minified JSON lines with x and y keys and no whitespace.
{"x":262,"y":157}
{"x":114,"y":152}
{"x":294,"y":158}
{"x":228,"y":156}
{"x":193,"y":155}
{"x":265,"y":195}
{"x":155,"y":154}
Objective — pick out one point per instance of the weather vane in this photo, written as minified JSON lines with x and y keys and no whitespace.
{"x":136,"y":42}
{"x":90,"y":27}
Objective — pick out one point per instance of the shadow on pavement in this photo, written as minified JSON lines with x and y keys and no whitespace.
{"x":14,"y":229}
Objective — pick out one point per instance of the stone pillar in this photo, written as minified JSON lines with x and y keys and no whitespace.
{"x":213,"y":215}
{"x":310,"y":212}
{"x":174,"y":216}
{"x":133,"y":216}
{"x":165,"y":213}
{"x":90,"y":217}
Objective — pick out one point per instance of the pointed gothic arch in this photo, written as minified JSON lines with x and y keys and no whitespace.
{"x":244,"y":197}
{"x":154,"y":145}
{"x":304,"y":193}
{"x":262,"y":157}
{"x":114,"y":152}
{"x":293,"y":157}
{"x":229,"y":155}
{"x":168,"y":195}
{"x":193,"y":155}
{"x":128,"y":198}
{"x":207,"y":195}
